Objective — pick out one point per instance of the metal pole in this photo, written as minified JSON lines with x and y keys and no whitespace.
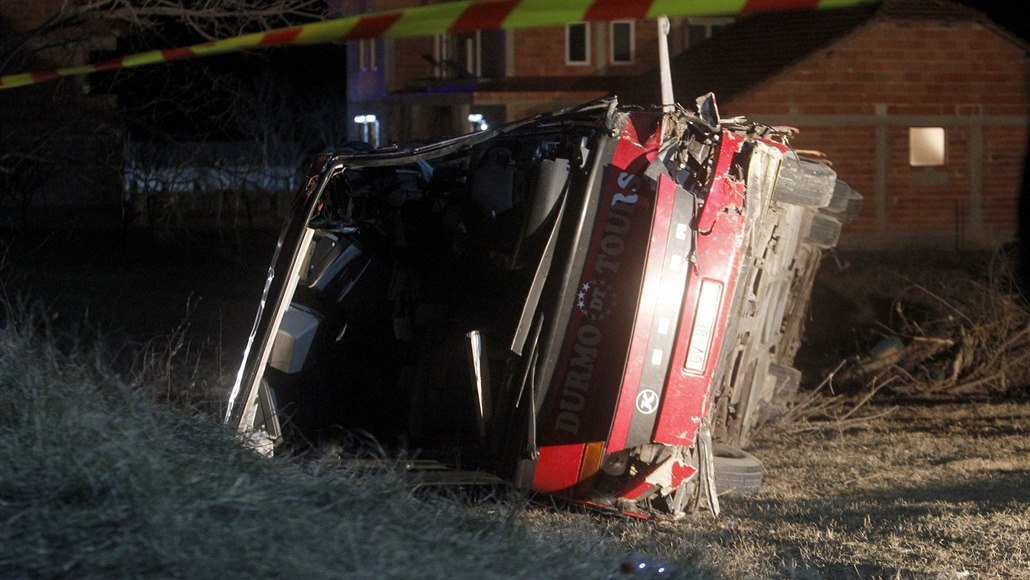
{"x":668,"y":101}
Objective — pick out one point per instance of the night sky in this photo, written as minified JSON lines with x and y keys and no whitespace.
{"x":1008,"y":13}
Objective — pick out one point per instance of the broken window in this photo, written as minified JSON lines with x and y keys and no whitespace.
{"x":622,"y":42}
{"x":926,"y":146}
{"x":577,"y":43}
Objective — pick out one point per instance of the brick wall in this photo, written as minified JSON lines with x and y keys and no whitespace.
{"x":1003,"y":152}
{"x":520,"y":105}
{"x":918,"y":68}
{"x":856,"y":100}
{"x":541,"y":52}
{"x":537,"y":52}
{"x":533,"y":52}
{"x":408,"y":62}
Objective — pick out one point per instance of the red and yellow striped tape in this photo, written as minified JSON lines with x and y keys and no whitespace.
{"x":448,"y":17}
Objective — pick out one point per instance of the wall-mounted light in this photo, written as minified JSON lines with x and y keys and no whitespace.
{"x":369,"y":128}
{"x":476,"y":119}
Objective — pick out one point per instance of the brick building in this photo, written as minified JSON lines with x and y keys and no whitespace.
{"x":922,"y":104}
{"x":418,"y":88}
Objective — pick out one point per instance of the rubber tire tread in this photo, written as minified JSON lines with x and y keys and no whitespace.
{"x":823,"y":231}
{"x":736,"y":470}
{"x":839,"y":200}
{"x":853,"y":208}
{"x":805,"y":183}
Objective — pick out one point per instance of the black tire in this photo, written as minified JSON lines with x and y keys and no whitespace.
{"x":839,"y":200}
{"x":736,"y":470}
{"x":823,"y":231}
{"x":803,"y":182}
{"x":854,"y":207}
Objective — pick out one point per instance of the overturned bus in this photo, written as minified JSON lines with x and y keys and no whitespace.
{"x":599,"y":304}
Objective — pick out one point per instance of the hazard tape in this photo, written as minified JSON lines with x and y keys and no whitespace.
{"x":434,"y":19}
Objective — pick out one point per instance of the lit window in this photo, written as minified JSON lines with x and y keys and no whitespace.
{"x":622,"y":41}
{"x":926,"y":146}
{"x":577,"y":43}
{"x":369,"y":127}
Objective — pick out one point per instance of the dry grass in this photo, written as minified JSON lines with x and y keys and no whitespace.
{"x":955,"y":329}
{"x":923,"y":492}
{"x":98,"y":481}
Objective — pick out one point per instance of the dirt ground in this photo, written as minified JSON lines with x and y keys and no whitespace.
{"x":931,"y":490}
{"x":917,"y":488}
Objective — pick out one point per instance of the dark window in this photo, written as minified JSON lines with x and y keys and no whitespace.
{"x":702,"y":28}
{"x":577,"y":43}
{"x":367,"y":54}
{"x":696,"y":34}
{"x":622,"y":41}
{"x":492,"y":63}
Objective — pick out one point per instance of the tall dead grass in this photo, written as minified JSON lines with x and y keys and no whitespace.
{"x":953,"y":327}
{"x":97,"y":480}
{"x":953,"y":333}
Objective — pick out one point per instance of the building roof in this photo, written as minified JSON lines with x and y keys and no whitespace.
{"x":762,"y":45}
